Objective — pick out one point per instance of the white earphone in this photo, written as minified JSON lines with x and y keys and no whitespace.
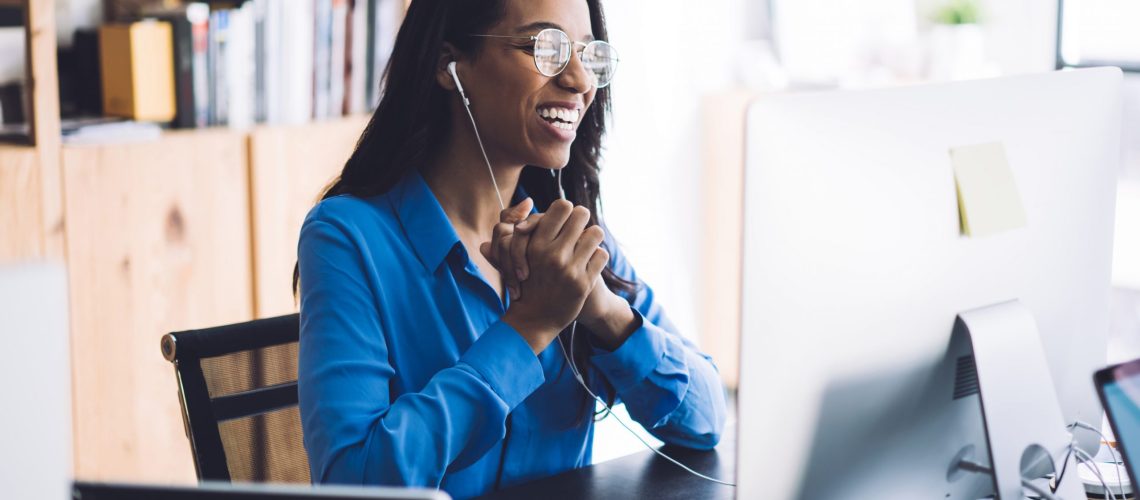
{"x":451,"y":69}
{"x":467,"y":105}
{"x":459,"y":86}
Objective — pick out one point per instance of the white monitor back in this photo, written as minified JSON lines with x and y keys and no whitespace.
{"x":855,"y":268}
{"x":35,"y":376}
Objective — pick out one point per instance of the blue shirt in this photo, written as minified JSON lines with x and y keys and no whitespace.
{"x":409,"y":377}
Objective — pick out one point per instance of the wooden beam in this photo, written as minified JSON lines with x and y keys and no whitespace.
{"x":43,"y":118}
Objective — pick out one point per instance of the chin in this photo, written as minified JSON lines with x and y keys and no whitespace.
{"x":553,"y":162}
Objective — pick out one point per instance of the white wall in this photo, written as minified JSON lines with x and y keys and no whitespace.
{"x":672,"y":52}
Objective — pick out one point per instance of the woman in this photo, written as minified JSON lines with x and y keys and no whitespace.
{"x":433,"y":323}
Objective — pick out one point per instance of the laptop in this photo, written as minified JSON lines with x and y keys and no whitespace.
{"x":1119,"y":390}
{"x":219,"y":490}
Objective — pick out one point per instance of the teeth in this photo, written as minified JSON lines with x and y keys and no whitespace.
{"x":566,"y":115}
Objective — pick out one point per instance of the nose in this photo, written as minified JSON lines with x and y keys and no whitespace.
{"x":575,"y":77}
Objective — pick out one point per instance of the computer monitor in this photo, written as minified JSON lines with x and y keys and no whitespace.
{"x":855,"y":268}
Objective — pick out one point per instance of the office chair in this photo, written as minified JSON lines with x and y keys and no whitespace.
{"x":237,"y":385}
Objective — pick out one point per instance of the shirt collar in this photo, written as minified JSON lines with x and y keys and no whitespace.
{"x":425,"y":223}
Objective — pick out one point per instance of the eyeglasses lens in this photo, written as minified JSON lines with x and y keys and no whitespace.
{"x":553,"y":49}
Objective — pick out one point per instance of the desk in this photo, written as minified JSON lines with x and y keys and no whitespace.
{"x":641,"y":475}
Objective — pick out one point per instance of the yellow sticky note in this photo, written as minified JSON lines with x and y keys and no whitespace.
{"x":988,"y":199}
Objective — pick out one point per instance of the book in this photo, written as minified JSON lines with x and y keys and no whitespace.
{"x":337,"y":46}
{"x":322,"y":49}
{"x":188,"y":29}
{"x":272,"y":33}
{"x":219,"y":39}
{"x":275,"y":61}
{"x":137,"y":66}
{"x":387,"y":16}
{"x":240,"y":67}
{"x":357,"y":98}
{"x":297,"y":68}
{"x":260,"y":54}
{"x":199,"y":16}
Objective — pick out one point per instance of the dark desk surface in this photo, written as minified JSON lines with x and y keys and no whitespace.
{"x":641,"y":475}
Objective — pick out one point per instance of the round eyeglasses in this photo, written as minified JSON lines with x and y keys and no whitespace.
{"x":552,"y":50}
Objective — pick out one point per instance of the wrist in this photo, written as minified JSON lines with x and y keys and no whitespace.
{"x":538,"y":334}
{"x":616,"y":325}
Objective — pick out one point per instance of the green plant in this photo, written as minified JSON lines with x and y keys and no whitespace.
{"x":958,"y":12}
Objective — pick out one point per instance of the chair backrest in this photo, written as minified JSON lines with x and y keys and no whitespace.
{"x":238,"y":388}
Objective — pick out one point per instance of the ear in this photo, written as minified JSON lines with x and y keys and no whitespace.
{"x":442,"y":76}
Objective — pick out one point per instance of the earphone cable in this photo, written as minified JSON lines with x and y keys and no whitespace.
{"x":582,"y":382}
{"x":478,"y":139}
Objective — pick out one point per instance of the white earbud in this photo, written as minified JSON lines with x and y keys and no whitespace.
{"x":455,"y":77}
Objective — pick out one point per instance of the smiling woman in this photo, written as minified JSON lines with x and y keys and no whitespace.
{"x":416,"y":365}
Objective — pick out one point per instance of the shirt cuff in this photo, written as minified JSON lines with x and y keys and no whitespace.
{"x":506,"y":362}
{"x":635,"y":359}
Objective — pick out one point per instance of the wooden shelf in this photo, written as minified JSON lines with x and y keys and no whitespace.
{"x":288,"y":167}
{"x":21,"y":234}
{"x":157,"y":241}
{"x":198,"y":228}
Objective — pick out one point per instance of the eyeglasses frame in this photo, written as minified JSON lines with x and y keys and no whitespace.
{"x":573,"y":43}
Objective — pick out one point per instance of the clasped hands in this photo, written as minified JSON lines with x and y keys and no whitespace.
{"x":551,"y":264}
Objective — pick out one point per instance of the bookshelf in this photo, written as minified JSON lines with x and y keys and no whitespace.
{"x":195,"y":229}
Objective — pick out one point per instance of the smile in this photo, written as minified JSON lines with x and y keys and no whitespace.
{"x":562,"y":118}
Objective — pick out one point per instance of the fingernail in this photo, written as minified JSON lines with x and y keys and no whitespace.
{"x":513,"y":292}
{"x":520,"y":274}
{"x":524,"y":224}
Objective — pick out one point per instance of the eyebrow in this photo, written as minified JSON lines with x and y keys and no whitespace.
{"x":543,"y":25}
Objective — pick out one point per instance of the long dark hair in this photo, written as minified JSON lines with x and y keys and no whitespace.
{"x":413,"y":115}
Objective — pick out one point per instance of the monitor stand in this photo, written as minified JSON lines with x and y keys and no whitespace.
{"x":1023,"y":421}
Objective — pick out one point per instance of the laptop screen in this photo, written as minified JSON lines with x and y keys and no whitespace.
{"x":1121,"y":395}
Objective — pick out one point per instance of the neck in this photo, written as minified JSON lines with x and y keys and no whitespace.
{"x":459,"y":180}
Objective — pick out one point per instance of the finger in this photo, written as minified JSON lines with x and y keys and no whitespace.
{"x":500,"y":231}
{"x":572,"y":229}
{"x":485,"y":249}
{"x":591,"y":238}
{"x":517,"y":213}
{"x":505,"y":257}
{"x":527,"y":226}
{"x":551,"y":223}
{"x":597,"y":262}
{"x":517,"y":255}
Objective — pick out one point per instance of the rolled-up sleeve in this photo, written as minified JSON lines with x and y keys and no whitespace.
{"x":666,"y":383}
{"x":353,"y":431}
